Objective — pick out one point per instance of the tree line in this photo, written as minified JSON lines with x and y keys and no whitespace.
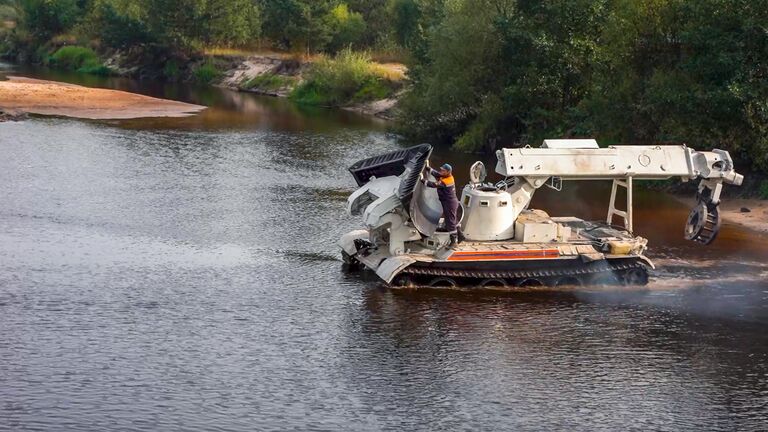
{"x":296,"y":25}
{"x":487,"y":73}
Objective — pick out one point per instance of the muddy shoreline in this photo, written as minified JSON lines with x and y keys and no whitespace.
{"x":750,"y":213}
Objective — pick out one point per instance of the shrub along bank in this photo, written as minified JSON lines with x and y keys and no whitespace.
{"x":348,"y":78}
{"x":80,"y":59}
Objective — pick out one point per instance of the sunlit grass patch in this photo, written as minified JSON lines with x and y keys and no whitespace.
{"x":390,"y":71}
{"x":348,"y":78}
{"x":244,"y":52}
{"x":269,"y":82}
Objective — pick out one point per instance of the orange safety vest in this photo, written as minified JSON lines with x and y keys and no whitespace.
{"x":447,"y":181}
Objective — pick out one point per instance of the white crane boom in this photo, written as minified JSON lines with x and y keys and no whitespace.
{"x":585,"y":160}
{"x":617,"y":162}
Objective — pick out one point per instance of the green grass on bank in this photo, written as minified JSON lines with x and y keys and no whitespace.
{"x":348,"y":78}
{"x":77,"y":58}
{"x":206,"y":72}
{"x":269,"y":82}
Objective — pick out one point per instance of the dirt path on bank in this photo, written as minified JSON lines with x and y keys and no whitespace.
{"x":54,"y":98}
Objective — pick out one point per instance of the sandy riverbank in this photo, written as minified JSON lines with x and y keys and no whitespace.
{"x":54,"y":98}
{"x":731,"y":211}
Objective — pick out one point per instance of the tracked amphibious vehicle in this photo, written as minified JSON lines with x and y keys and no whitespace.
{"x":507,"y":243}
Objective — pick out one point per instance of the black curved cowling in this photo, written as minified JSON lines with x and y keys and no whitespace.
{"x":408,"y":164}
{"x":410,"y":161}
{"x":413,"y":168}
{"x":389,"y":164}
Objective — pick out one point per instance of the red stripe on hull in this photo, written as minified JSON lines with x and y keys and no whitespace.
{"x":504,"y":255}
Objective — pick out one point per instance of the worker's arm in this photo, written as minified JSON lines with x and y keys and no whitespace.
{"x":436,"y":184}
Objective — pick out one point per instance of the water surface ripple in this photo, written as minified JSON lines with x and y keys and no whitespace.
{"x":187,"y":279}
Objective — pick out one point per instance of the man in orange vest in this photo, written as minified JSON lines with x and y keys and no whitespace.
{"x":446,"y":191}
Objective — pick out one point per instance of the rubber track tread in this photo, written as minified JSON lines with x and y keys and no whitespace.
{"x":601,"y":267}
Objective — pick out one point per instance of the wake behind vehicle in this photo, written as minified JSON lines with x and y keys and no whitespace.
{"x":507,"y":243}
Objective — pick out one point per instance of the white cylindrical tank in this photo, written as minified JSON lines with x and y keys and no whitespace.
{"x":489,"y":214}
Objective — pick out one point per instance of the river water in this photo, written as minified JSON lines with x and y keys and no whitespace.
{"x":182,"y":274}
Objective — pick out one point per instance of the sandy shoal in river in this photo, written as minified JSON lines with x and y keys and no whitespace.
{"x":69,"y":100}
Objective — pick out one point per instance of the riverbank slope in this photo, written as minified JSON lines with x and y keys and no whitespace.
{"x":278,"y":75}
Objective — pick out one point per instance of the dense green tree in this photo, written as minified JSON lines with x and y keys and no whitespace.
{"x":405,"y":20}
{"x":500,"y":69}
{"x":496,"y":72}
{"x":230,"y":22}
{"x":377,"y":20}
{"x":346,"y":28}
{"x":119,"y":29}
{"x":449,"y":79}
{"x":297,"y":24}
{"x":670,"y":70}
{"x":46,"y":18}
{"x":277,"y":14}
{"x":176,"y":23}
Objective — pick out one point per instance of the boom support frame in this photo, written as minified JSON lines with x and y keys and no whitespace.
{"x":624,"y":214}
